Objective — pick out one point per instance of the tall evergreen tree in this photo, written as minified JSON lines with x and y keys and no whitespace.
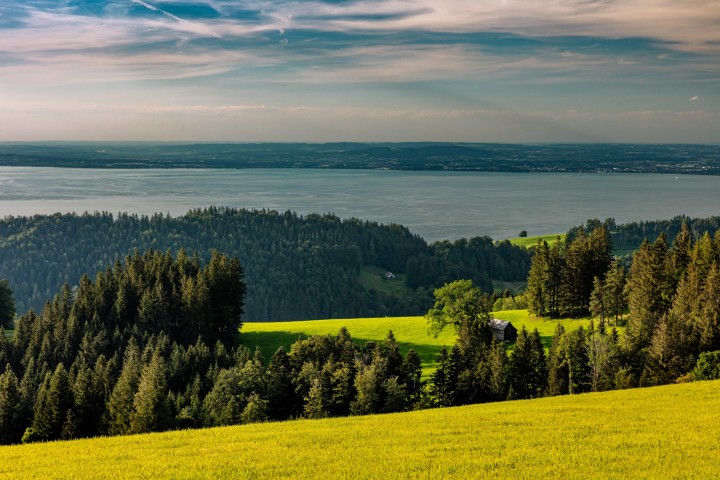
{"x":649,"y":291}
{"x":11,"y":414}
{"x":53,"y":406}
{"x":557,"y":366}
{"x":151,"y":410}
{"x":7,"y":305}
{"x":120,"y":406}
{"x":527,"y":370}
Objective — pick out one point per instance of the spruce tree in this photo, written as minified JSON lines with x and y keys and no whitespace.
{"x":150,"y":406}
{"x":557,"y":367}
{"x":54,"y":403}
{"x":7,"y":305}
{"x":120,"y":406}
{"x":527,"y":370}
{"x":649,"y":291}
{"x":537,"y":287}
{"x":11,"y":414}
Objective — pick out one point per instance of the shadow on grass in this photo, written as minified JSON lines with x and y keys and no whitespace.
{"x":269,"y":342}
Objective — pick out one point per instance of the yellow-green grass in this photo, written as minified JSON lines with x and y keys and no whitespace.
{"x":410,"y":332}
{"x":532,"y":241}
{"x":670,"y":432}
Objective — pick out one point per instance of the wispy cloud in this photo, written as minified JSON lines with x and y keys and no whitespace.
{"x":488,"y":56}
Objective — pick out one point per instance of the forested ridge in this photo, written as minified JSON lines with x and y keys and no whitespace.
{"x":297,"y":267}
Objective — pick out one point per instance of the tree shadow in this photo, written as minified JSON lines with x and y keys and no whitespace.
{"x":269,"y":342}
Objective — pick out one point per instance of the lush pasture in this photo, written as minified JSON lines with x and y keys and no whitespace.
{"x":411,"y":332}
{"x":532,"y":241}
{"x":663,"y":432}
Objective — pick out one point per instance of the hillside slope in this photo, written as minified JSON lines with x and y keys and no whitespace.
{"x":644,"y":433}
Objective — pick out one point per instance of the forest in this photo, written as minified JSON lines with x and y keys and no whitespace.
{"x":296,"y":267}
{"x":152,"y":344}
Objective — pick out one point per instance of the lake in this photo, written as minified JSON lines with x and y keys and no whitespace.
{"x":436,"y":205}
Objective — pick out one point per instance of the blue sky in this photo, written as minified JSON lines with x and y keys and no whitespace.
{"x":370,"y":70}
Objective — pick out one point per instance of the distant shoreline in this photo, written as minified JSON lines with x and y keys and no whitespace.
{"x":454,"y":157}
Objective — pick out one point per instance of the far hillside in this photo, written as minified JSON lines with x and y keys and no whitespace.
{"x":296,"y":267}
{"x":641,"y":433}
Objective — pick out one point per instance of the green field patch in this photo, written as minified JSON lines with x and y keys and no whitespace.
{"x":641,"y":433}
{"x":532,"y":241}
{"x":545,"y":326}
{"x":371,"y":276}
{"x":410,"y":332}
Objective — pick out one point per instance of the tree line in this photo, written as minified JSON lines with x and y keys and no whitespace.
{"x":671,"y":294}
{"x":297,"y":267}
{"x":629,"y":236}
{"x":152,"y":344}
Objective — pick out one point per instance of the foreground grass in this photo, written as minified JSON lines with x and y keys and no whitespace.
{"x":645,"y":433}
{"x":410,"y":332}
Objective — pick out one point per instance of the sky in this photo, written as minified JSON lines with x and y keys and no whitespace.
{"x":368,"y":70}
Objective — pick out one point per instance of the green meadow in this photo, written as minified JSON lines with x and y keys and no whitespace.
{"x":532,"y":241}
{"x":669,"y":432}
{"x":410,"y":332}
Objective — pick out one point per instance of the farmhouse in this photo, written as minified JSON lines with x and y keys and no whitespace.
{"x":503,"y":331}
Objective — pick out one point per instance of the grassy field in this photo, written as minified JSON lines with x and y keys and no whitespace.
{"x":644,"y":433}
{"x":532,"y":241}
{"x":411,"y":332}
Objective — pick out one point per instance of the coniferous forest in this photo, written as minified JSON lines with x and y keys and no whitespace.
{"x":297,"y":267}
{"x":151,"y":344}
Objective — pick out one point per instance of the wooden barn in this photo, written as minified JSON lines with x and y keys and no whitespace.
{"x":503,"y":331}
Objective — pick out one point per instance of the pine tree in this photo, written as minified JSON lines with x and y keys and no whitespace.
{"x":649,"y":291}
{"x":256,"y":410}
{"x":537,"y":291}
{"x":412,"y":372}
{"x":498,"y":366}
{"x":527,"y":369}
{"x":598,"y":301}
{"x":557,"y":367}
{"x":11,"y":414}
{"x":222,"y":406}
{"x":120,"y":406}
{"x":151,"y":410}
{"x":614,"y":291}
{"x":54,"y":403}
{"x":7,"y":305}
{"x":709,"y":320}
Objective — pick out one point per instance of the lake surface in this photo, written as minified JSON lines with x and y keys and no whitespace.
{"x":436,"y":205}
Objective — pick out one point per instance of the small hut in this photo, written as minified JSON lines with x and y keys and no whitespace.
{"x":503,"y":331}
